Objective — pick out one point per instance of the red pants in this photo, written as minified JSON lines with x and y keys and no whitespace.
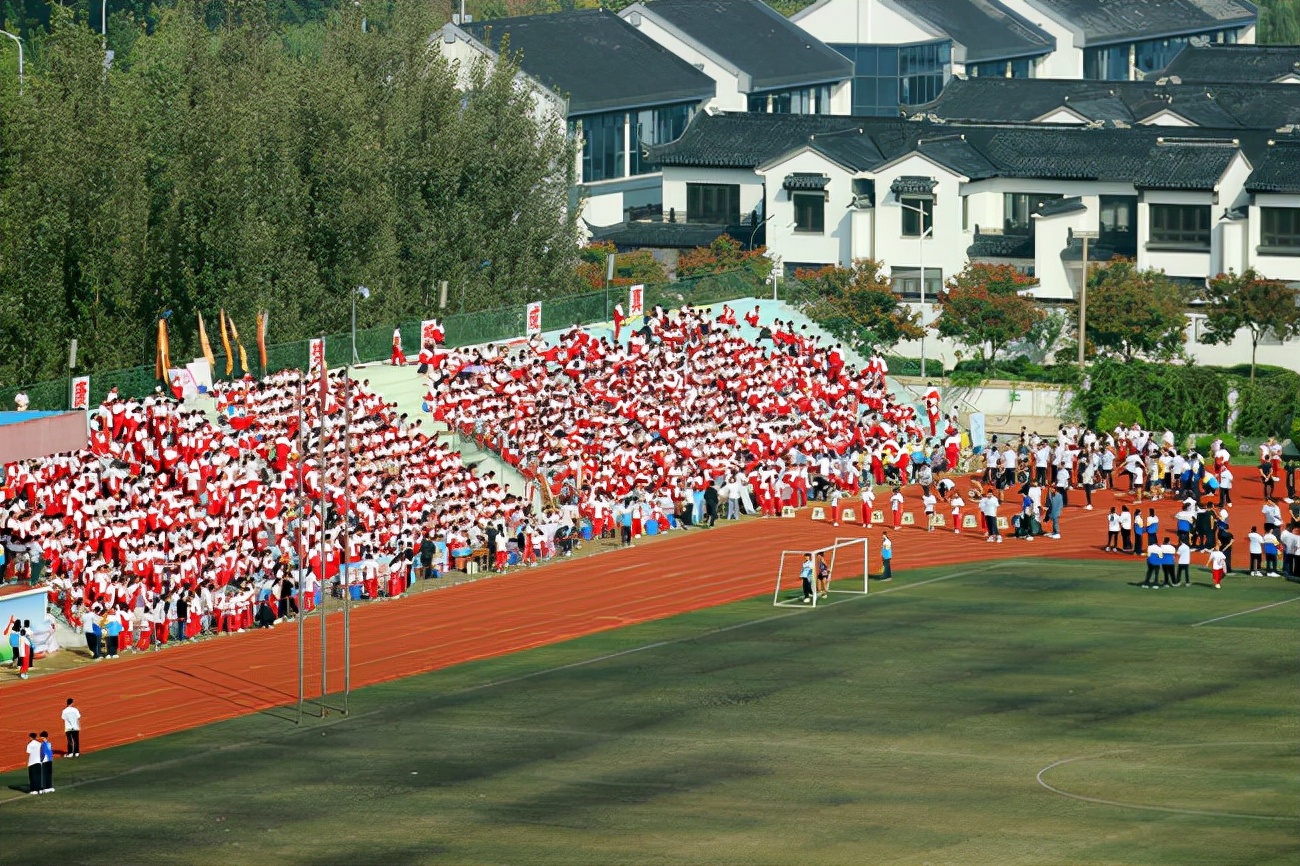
{"x":835,"y":514}
{"x":898,"y":519}
{"x":398,"y":359}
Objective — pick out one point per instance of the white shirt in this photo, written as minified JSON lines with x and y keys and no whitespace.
{"x":1184,"y":554}
{"x":1217,"y":560}
{"x":71,"y":719}
{"x":33,"y":752}
{"x":928,"y":501}
{"x":1256,"y":542}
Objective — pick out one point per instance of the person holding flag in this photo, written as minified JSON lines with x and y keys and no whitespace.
{"x":398,"y":358}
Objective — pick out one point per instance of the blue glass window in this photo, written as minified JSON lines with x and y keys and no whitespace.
{"x":602,"y":146}
{"x":802,"y":100}
{"x":657,"y":126}
{"x":1109,"y":63}
{"x":882,"y":74}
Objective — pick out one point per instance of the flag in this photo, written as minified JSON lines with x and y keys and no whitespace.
{"x":635,"y":301}
{"x":234,"y":335}
{"x":534,"y":318}
{"x":225,"y":344}
{"x":163,"y":360}
{"x":262,"y":318}
{"x":316,"y":354}
{"x":205,"y":345}
{"x":80,"y":393}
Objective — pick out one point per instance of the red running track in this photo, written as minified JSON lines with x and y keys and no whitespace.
{"x":185,"y":687}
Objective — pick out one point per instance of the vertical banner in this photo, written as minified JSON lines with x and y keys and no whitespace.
{"x":429,"y":331}
{"x":635,"y":301}
{"x":80,"y":393}
{"x":205,"y":345}
{"x":316,"y":354}
{"x":262,"y":318}
{"x":163,"y":360}
{"x":534,"y":319}
{"x":977,"y":441}
{"x":225,"y":344}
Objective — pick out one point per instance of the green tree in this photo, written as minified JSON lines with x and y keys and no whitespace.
{"x":859,"y":306}
{"x":1279,"y":22}
{"x":723,"y":255}
{"x":1135,"y":312}
{"x":987,"y":306}
{"x":1249,"y":301}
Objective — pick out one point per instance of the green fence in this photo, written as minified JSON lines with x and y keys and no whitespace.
{"x":375,"y":343}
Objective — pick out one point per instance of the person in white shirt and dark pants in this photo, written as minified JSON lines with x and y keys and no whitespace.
{"x":72,"y":729}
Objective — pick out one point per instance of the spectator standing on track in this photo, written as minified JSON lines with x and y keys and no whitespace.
{"x":33,"y":764}
{"x":1112,"y":530}
{"x":806,"y":578}
{"x":72,"y":729}
{"x":24,"y":653}
{"x":711,"y":503}
{"x":1126,"y":530}
{"x":928,"y":501}
{"x":427,"y":550}
{"x":1055,"y":503}
{"x":989,"y":508}
{"x":886,"y":557}
{"x":47,"y":764}
{"x":1225,"y":487}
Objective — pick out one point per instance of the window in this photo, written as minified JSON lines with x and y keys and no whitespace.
{"x":657,"y":126}
{"x":717,"y":203}
{"x":1022,"y":68}
{"x":965,"y":213}
{"x":1279,"y":230}
{"x":809,"y":212}
{"x":918,"y":216}
{"x":1109,"y":63}
{"x":1018,"y":209}
{"x":1118,"y":223}
{"x":907,"y":282}
{"x":1155,"y":54}
{"x":804,"y":100}
{"x":885,"y":74}
{"x":1180,"y":226}
{"x":602,"y":146}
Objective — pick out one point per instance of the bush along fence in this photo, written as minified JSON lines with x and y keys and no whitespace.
{"x":375,"y":343}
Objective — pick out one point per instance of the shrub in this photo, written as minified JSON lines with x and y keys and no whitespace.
{"x":1183,"y":398}
{"x":1268,"y":407}
{"x":1120,"y":413}
{"x":1229,"y":441}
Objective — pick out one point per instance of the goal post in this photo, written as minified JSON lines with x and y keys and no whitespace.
{"x":803,"y":577}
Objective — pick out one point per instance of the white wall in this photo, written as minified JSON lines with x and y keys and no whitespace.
{"x":862,"y":22}
{"x":677,"y":177}
{"x":729,"y":96}
{"x":832,"y":246}
{"x":1067,"y":60}
{"x":946,"y":247}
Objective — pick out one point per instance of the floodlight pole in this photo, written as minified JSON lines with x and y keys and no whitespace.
{"x":298,"y":539}
{"x":925,"y":230}
{"x":1085,"y":236}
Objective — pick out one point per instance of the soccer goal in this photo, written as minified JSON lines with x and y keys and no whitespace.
{"x":842,"y":566}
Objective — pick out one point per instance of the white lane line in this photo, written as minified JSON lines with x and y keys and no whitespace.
{"x":1244,"y":612}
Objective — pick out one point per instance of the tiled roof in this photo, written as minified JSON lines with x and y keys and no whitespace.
{"x":1225,"y":106}
{"x":1107,"y":21}
{"x":1242,"y":64}
{"x":597,"y":59}
{"x":658,"y":234}
{"x":1277,"y":170}
{"x":1185,"y":164}
{"x":1038,"y":151}
{"x":995,"y":245}
{"x":805,"y":180}
{"x":1097,"y":252}
{"x":757,"y":40}
{"x":1057,"y":207}
{"x":987,"y":29}
{"x":910,"y":184}
{"x":745,"y":140}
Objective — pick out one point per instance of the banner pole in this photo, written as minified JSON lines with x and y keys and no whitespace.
{"x":324,"y":668}
{"x":347,"y":534}
{"x":298,"y":540}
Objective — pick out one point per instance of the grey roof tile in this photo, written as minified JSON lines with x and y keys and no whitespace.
{"x":773,"y":51}
{"x":1185,"y":164}
{"x":1242,"y":64}
{"x":597,"y":59}
{"x":1277,"y":170}
{"x":985,"y":28}
{"x":1107,"y":21}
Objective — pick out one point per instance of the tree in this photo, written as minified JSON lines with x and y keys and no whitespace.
{"x":638,"y":266}
{"x":1249,"y":301}
{"x":859,"y":306}
{"x":1135,"y":312}
{"x":986,"y":306}
{"x":1279,"y":22}
{"x":724,"y":254}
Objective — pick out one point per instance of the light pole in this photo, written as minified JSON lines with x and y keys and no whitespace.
{"x":925,"y":230}
{"x":20,"y":58}
{"x":359,"y":292}
{"x":1084,"y":236}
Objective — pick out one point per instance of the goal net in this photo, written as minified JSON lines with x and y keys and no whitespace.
{"x":805,"y":577}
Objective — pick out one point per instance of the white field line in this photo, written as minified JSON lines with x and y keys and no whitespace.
{"x":1244,"y":612}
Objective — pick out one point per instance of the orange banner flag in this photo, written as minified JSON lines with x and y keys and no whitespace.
{"x":243,"y":356}
{"x":225,"y":344}
{"x":262,"y":318}
{"x":163,"y":360}
{"x":205,"y":345}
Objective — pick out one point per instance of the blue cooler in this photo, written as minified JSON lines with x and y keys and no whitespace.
{"x":586,"y":533}
{"x":356,"y":592}
{"x":513,"y":558}
{"x":652,"y":527}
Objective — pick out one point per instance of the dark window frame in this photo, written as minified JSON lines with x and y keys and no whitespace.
{"x":809,"y":212}
{"x":1279,"y":231}
{"x":720,"y":202}
{"x":1179,"y":227}
{"x":913,"y":224}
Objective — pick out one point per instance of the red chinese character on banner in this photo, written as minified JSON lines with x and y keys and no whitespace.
{"x":81,"y":392}
{"x":534,"y":318}
{"x":317,"y":354}
{"x":635,"y":301}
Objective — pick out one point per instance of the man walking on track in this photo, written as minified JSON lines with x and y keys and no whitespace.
{"x":72,"y":729}
{"x":989,"y":508}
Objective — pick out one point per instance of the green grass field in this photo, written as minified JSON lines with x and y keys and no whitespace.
{"x":908,"y":726}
